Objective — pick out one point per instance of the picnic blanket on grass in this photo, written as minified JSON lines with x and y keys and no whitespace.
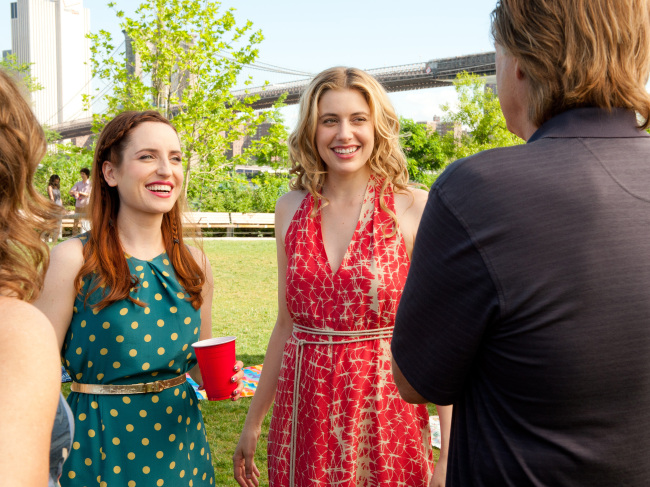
{"x":434,"y":423}
{"x":64,"y":375}
{"x":251,"y":378}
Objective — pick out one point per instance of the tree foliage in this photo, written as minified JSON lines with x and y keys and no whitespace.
{"x":22,"y":71}
{"x":229,"y":192}
{"x":271,"y":149}
{"x":424,"y":151}
{"x":479,"y":113}
{"x":189,"y":54}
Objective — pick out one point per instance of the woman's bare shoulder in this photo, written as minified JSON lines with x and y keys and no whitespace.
{"x":411,"y":201}
{"x":285,"y":208}
{"x":288,"y":204}
{"x":289,"y":201}
{"x":24,"y":325}
{"x":69,"y":251}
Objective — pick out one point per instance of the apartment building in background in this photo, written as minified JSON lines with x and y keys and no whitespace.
{"x":51,"y":36}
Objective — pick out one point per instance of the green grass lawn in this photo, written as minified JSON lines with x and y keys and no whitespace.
{"x":245,"y":306}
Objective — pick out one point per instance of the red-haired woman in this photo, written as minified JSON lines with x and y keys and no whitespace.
{"x":126,"y":300}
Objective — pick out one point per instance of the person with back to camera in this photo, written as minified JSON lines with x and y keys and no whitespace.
{"x":126,"y":301}
{"x":527,"y":304}
{"x":344,"y":237}
{"x":36,"y":425}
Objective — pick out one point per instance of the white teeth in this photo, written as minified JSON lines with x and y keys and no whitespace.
{"x":159,"y":188}
{"x":346,"y":151}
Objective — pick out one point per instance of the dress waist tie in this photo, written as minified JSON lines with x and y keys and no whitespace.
{"x":350,"y":337}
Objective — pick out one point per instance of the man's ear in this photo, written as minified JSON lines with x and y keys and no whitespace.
{"x":519,"y":73}
{"x":108,"y":169}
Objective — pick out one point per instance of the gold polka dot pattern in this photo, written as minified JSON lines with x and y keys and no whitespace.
{"x":141,"y":439}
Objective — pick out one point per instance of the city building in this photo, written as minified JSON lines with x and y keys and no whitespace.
{"x":51,"y":36}
{"x":437,"y":125}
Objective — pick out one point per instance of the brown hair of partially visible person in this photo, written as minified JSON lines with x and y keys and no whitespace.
{"x":387,"y":159}
{"x":25,"y":215}
{"x":578,"y":53}
{"x":103,"y":252}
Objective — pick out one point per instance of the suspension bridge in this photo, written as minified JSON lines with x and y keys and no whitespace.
{"x":417,"y":76}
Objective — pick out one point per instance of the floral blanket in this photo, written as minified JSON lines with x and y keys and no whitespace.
{"x":251,"y":378}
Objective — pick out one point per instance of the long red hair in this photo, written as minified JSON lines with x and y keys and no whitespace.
{"x":104,"y":257}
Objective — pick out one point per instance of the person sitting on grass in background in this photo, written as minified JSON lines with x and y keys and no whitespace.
{"x":127,"y":300}
{"x":36,"y":423}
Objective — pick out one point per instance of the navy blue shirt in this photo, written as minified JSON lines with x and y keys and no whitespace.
{"x":527,"y":307}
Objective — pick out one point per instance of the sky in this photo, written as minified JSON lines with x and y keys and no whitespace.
{"x":310,"y":36}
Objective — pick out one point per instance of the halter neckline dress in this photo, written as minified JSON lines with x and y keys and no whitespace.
{"x":338,"y":419}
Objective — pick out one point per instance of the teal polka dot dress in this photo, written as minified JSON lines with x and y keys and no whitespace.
{"x":138,"y":440}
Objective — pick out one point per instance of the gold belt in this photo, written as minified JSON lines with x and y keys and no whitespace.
{"x":141,"y":388}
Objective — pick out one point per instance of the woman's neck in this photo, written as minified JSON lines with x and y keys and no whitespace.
{"x":141,"y":234}
{"x":346,"y":187}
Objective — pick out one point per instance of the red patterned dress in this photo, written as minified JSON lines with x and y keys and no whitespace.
{"x":350,"y":426}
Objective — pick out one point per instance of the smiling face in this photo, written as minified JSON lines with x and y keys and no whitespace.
{"x":150,"y":177}
{"x":345,"y":132}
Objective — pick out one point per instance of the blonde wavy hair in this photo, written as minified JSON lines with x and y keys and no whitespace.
{"x":25,"y":215}
{"x":578,"y":53}
{"x":387,"y":160}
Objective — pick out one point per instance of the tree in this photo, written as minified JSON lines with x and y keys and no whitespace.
{"x":423,"y":149}
{"x":480,"y":113}
{"x":21,"y":70}
{"x":271,"y":149}
{"x":187,"y":57}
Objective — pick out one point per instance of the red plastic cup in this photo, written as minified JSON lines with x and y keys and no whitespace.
{"x":216,"y":358}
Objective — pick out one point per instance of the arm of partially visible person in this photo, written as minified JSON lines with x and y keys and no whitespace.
{"x":206,"y":321}
{"x":74,"y":190}
{"x":29,"y":394}
{"x":449,"y":301}
{"x":58,"y":295}
{"x":245,"y":471}
{"x":50,"y":193}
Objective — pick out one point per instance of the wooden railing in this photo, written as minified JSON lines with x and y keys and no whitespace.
{"x":211,"y":222}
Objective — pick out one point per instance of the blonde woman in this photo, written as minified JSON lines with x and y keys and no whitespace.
{"x":344,"y":237}
{"x":31,"y":451}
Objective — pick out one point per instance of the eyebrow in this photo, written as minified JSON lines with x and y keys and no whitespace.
{"x":336,"y":114}
{"x":145,"y":149}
